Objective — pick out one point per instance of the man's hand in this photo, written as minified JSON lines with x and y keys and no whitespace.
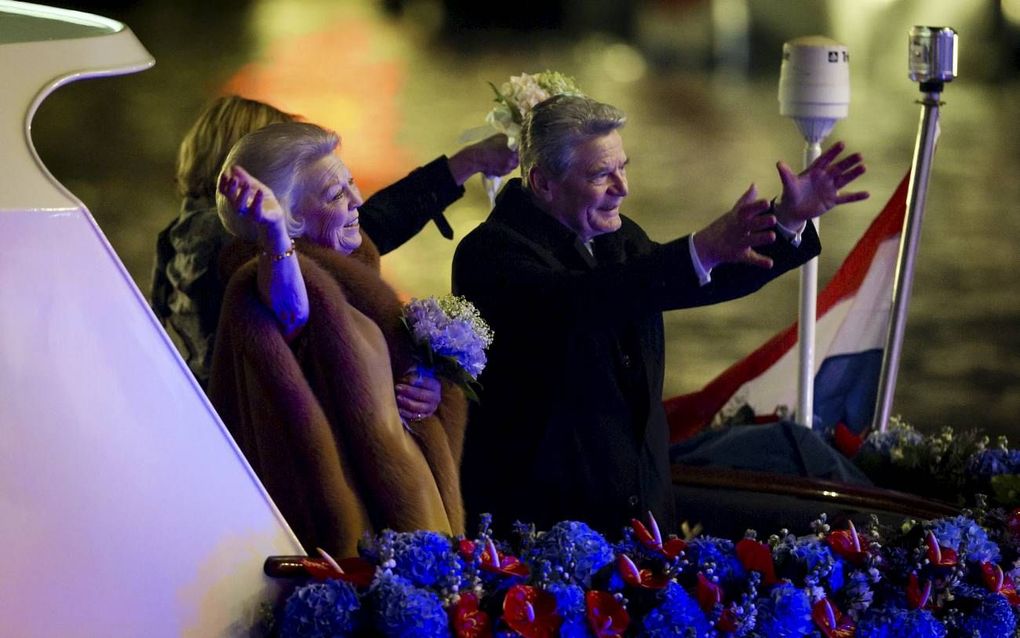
{"x":733,"y":237}
{"x":490,"y":157}
{"x":815,"y":191}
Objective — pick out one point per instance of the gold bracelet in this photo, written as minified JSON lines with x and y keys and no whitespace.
{"x":280,"y":257}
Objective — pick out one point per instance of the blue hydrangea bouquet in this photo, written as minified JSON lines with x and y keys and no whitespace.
{"x":450,"y":339}
{"x":946,"y":578}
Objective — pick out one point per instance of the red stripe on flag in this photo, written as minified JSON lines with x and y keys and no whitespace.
{"x":687,"y":414}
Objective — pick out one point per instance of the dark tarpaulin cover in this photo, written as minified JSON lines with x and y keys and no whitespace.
{"x":782,"y":447}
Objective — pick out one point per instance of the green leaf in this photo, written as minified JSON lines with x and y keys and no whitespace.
{"x":515,"y":113}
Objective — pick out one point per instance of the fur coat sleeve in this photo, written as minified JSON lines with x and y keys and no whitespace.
{"x":317,"y":417}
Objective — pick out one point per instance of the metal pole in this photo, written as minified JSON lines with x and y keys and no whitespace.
{"x":924,"y":150}
{"x":806,"y":323}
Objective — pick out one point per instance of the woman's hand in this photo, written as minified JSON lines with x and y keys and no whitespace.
{"x":255,"y":202}
{"x":418,"y":396}
{"x":280,"y":284}
{"x":490,"y":157}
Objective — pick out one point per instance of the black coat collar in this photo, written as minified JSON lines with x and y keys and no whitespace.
{"x":516,"y":209}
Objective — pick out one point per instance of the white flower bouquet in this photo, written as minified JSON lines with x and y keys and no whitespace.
{"x":515,"y":99}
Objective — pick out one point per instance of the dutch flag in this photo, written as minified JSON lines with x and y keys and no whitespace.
{"x":853,"y":318}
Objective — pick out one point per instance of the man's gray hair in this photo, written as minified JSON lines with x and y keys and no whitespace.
{"x":557,"y":126}
{"x":278,"y":156}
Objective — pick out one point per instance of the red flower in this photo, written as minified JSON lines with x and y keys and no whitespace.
{"x":501,"y":564}
{"x":607,"y":618}
{"x":1009,"y":591}
{"x":917,"y":596}
{"x":727,"y":622}
{"x":531,"y":612}
{"x":356,"y":571}
{"x":938,"y":555}
{"x":468,"y":620}
{"x":849,"y":545}
{"x":998,"y":582}
{"x":652,"y":540}
{"x":466,"y":547}
{"x":643,"y":578}
{"x":832,"y":622}
{"x":993,"y":576}
{"x":846,"y":441}
{"x":709,"y":594}
{"x":756,"y":556}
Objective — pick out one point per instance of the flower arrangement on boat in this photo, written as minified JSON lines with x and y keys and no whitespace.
{"x":942,"y":578}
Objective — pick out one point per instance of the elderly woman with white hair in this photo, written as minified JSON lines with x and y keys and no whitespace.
{"x":309,"y":347}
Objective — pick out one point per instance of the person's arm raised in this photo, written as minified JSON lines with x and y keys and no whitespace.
{"x":733,"y":236}
{"x":281,"y":287}
{"x":816,"y":190}
{"x":490,"y":157}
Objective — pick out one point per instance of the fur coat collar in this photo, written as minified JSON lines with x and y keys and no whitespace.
{"x":317,"y":417}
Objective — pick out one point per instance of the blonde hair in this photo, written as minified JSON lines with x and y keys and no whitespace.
{"x":223,"y":122}
{"x":277,"y":155}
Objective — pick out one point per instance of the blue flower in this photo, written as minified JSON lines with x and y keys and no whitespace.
{"x":992,"y":462}
{"x":615,"y":582}
{"x":327,"y":609}
{"x":404,"y":611}
{"x":574,"y":550}
{"x":677,"y":615}
{"x":716,"y":557}
{"x":896,"y":622}
{"x":858,"y":593}
{"x":426,"y":559}
{"x":784,"y":613}
{"x":964,"y":536}
{"x":449,"y":327}
{"x":993,"y":617}
{"x":899,"y":435}
{"x":571,"y":607}
{"x":978,"y":613}
{"x":815,"y":562}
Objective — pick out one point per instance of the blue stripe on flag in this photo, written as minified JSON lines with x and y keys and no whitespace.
{"x":846,"y":387}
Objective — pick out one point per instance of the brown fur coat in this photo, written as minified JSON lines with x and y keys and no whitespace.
{"x":317,"y":418}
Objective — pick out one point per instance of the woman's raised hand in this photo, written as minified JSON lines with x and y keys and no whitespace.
{"x":280,"y":284}
{"x":490,"y":157}
{"x":255,"y":202}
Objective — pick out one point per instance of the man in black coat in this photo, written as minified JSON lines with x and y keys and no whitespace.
{"x":570,"y":424}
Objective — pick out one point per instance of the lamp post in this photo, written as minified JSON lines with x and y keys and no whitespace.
{"x":932,"y":62}
{"x":814,"y":91}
